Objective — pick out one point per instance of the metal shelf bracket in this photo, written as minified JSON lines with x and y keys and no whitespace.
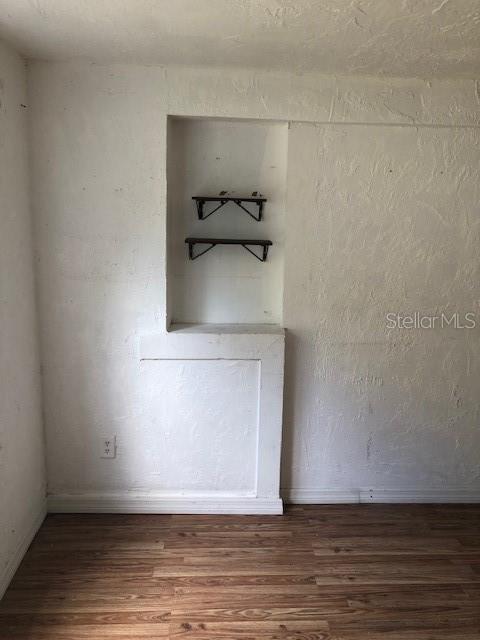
{"x":212,"y":242}
{"x":223,"y":198}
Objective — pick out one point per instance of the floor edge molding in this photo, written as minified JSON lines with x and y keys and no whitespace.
{"x":365,"y":496}
{"x":131,"y":503}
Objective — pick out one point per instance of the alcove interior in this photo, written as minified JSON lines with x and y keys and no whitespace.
{"x":227,"y":285}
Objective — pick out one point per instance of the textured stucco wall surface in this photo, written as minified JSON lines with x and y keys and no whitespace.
{"x":200,"y":421}
{"x":22,"y":476}
{"x":424,"y":38}
{"x":381,"y":216}
{"x":392,"y":222}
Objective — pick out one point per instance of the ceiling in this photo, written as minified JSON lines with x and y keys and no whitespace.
{"x":427,"y":38}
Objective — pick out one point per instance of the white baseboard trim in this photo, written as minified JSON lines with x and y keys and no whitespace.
{"x":9,"y":571}
{"x":375,"y":496}
{"x":131,"y":502}
{"x":173,"y":503}
{"x":314,"y":496}
{"x":420,"y":497}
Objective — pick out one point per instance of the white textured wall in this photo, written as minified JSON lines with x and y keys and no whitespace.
{"x":382,"y":215}
{"x":22,"y":477}
{"x":199,"y":412}
{"x":393,"y":221}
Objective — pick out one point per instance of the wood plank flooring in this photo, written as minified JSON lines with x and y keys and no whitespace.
{"x":338,"y":572}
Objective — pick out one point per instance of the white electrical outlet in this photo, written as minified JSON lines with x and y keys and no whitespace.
{"x":108,"y":447}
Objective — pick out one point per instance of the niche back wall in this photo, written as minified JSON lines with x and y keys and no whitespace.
{"x":205,"y":157}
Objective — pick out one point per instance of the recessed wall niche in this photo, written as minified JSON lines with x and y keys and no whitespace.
{"x":227,"y":285}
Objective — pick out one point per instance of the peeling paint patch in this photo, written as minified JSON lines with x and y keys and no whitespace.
{"x":369,"y":447}
{"x":440,"y":7}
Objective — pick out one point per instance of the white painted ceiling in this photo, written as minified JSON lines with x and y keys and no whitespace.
{"x":428,"y":38}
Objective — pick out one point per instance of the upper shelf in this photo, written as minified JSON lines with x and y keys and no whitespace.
{"x":223,"y":198}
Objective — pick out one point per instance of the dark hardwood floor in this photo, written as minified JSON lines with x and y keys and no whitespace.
{"x":344,"y":572}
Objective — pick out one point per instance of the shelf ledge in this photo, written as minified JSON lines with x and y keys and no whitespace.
{"x":212,"y":242}
{"x":223,"y":198}
{"x":227,"y":329}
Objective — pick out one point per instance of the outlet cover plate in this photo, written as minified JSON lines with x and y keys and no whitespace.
{"x":108,"y":447}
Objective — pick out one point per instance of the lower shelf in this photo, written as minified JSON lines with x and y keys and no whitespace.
{"x":212,"y":242}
